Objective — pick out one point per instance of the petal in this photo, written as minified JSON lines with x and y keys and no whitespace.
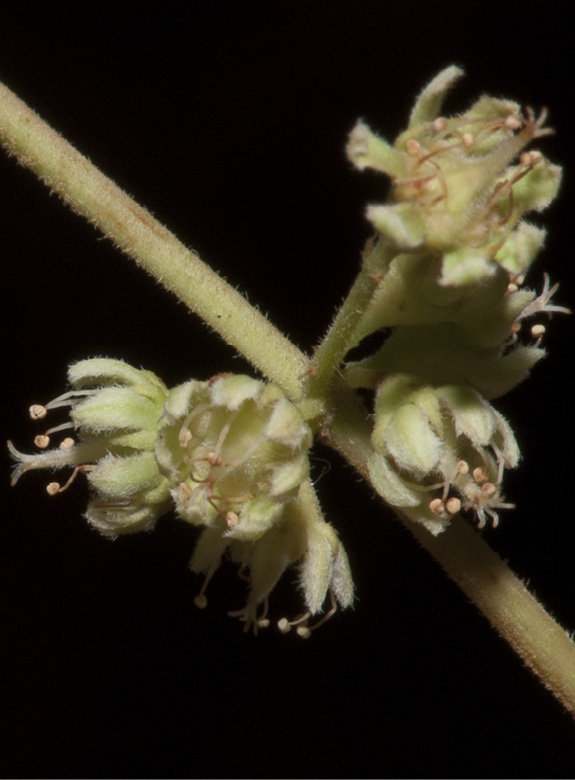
{"x":428,"y":104}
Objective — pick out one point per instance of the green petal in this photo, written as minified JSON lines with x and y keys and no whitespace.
{"x":367,"y":150}
{"x":401,"y":224}
{"x":389,"y":484}
{"x":428,"y":104}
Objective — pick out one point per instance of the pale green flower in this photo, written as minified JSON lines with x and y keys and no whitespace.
{"x":236,"y":451}
{"x":235,"y":448}
{"x":115,"y":414}
{"x":451,"y":238}
{"x":298,"y":536}
{"x":438,"y":449}
{"x":454,"y":187}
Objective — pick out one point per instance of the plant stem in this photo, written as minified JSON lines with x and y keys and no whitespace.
{"x":339,"y":338}
{"x":462,"y":553}
{"x":482,"y":575}
{"x":149,"y":243}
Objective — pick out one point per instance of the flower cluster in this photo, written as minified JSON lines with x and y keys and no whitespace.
{"x":453,"y":250}
{"x":230,"y":454}
{"x":236,"y":451}
{"x":115,"y":412}
{"x":439,"y":449}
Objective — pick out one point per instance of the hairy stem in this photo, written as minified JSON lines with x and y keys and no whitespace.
{"x":339,"y":338}
{"x":149,"y":243}
{"x":482,"y":575}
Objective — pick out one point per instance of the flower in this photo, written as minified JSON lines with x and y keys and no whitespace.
{"x":454,"y":188}
{"x":299,"y":535}
{"x":115,"y":410}
{"x":231,"y":454}
{"x":452,"y":237}
{"x":236,"y":451}
{"x":234,"y":448}
{"x":438,"y":449}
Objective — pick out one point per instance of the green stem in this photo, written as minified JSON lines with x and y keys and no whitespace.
{"x":339,"y":339}
{"x":468,"y":560}
{"x":149,"y":243}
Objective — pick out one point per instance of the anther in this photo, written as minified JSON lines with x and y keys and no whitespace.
{"x":53,"y":488}
{"x":537,"y":331}
{"x":439,"y":124}
{"x":303,"y":631}
{"x":453,"y":505}
{"x":42,"y":441}
{"x":463,"y":468}
{"x":232,"y":519}
{"x":66,"y":443}
{"x":467,"y":139}
{"x":284,"y":625}
{"x":530,"y":158}
{"x":489,"y":489}
{"x":437,"y":506}
{"x":201,"y":601}
{"x":38,"y":412}
{"x":512,"y":288}
{"x":413,"y":147}
{"x":512,"y":122}
{"x":480,"y":474}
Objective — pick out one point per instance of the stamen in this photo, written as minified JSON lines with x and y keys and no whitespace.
{"x":43,"y":440}
{"x":301,"y":623}
{"x":67,"y":399}
{"x":437,"y":506}
{"x":55,"y":487}
{"x":185,"y":433}
{"x":223,"y":433}
{"x":537,"y":331}
{"x":543,"y":302}
{"x":201,"y":600}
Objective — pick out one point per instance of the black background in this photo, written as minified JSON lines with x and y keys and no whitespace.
{"x":228,"y":120}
